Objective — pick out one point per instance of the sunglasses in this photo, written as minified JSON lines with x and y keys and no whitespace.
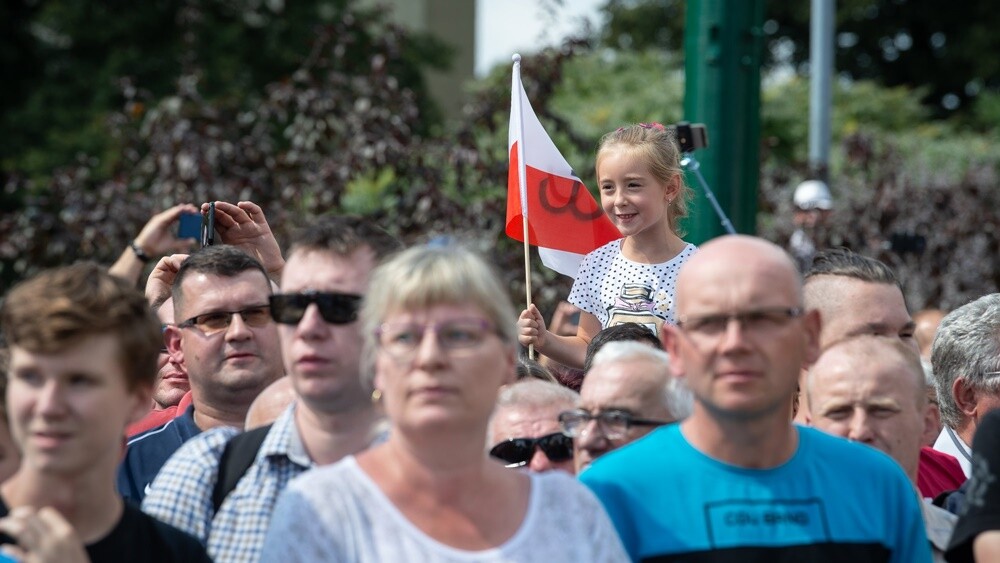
{"x":517,"y":452}
{"x":335,"y":308}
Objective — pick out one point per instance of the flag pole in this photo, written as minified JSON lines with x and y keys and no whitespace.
{"x":522,"y":179}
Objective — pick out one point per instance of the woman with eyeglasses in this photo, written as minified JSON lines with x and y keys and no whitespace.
{"x":440,"y":342}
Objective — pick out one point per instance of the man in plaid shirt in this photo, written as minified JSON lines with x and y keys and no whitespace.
{"x":326,"y":274}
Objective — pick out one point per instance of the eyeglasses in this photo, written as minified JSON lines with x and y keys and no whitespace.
{"x":517,"y":452}
{"x":335,"y":308}
{"x":218,"y":321}
{"x":755,"y":320}
{"x":614,"y":424}
{"x":401,"y":340}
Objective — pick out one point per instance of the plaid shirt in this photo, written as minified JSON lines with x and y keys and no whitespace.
{"x":181,"y":495}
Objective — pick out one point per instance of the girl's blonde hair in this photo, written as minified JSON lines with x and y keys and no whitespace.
{"x":657,"y":145}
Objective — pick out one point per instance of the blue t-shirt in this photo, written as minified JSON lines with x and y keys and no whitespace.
{"x":148,"y":451}
{"x":832,"y":501}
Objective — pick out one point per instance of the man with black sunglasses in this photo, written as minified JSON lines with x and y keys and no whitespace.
{"x":222,"y":486}
{"x":227,"y":342}
{"x":524,"y":429}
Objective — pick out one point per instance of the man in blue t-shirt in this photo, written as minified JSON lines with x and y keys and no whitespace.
{"x":736,"y":480}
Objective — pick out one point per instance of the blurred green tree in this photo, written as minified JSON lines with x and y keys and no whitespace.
{"x":944,"y":51}
{"x":73,"y":62}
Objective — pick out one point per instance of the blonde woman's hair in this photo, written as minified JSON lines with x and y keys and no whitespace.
{"x":427,"y":276}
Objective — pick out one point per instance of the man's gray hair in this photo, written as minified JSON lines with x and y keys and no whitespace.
{"x":536,"y":393}
{"x":967,"y":346}
{"x":677,"y":397}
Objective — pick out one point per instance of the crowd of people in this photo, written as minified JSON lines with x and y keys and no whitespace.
{"x":350,"y":399}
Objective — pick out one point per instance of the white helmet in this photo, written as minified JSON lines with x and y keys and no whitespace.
{"x":812,"y":194}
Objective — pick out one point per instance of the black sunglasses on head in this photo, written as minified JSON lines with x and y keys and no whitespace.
{"x":335,"y":308}
{"x":517,"y":452}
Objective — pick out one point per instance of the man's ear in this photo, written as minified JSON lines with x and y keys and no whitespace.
{"x":932,"y":423}
{"x":810,"y":329}
{"x":670,"y":339}
{"x":172,"y":340}
{"x":965,"y":396}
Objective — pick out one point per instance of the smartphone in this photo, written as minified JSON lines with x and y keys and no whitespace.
{"x":208,"y":227}
{"x":189,"y":226}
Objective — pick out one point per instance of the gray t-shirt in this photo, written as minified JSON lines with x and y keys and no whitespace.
{"x":337,"y":513}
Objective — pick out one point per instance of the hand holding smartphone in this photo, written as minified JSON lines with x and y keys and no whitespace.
{"x":208,"y":226}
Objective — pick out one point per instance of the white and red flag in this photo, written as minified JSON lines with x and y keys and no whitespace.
{"x":546,"y":202}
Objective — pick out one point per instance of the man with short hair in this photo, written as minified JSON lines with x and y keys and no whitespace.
{"x":204,"y":488}
{"x":83,"y":348}
{"x":628,"y":392}
{"x":870,"y":389}
{"x":736,"y":480}
{"x":856,"y":295}
{"x":226,"y":340}
{"x":524,"y":429}
{"x":966,"y":362}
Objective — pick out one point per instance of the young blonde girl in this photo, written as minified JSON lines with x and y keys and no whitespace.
{"x":630,"y":279}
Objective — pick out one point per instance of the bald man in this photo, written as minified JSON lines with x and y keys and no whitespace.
{"x":736,"y":478}
{"x":271,"y":402}
{"x":926,"y":323}
{"x":870,"y":389}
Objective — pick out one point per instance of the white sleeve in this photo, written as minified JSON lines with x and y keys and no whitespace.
{"x":296,"y":533}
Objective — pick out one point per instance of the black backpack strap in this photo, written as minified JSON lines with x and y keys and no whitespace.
{"x":237,"y":457}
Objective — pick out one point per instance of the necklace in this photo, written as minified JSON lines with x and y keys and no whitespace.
{"x":958,"y":444}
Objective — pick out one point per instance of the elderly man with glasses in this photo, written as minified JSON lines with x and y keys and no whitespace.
{"x":222,"y":486}
{"x":736,"y":480}
{"x":627,"y":393}
{"x":524,"y":428}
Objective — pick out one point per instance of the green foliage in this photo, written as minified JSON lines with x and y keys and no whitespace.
{"x":366,"y":194}
{"x":643,"y":25}
{"x":89,"y":57}
{"x":856,"y":106}
{"x":985,"y":112}
{"x":916,"y":43}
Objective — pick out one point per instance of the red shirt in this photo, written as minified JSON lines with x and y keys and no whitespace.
{"x":157,"y":418}
{"x":938,"y":472}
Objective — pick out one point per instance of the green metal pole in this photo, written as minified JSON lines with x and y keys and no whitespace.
{"x":723,"y":44}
